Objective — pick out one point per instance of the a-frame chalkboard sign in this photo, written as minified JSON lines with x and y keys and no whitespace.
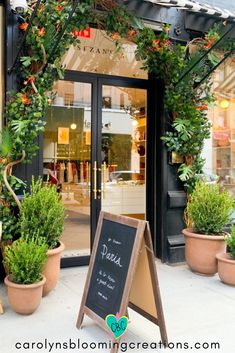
{"x":122,"y":273}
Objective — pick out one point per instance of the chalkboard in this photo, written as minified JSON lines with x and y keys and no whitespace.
{"x":110,"y":268}
{"x":122,"y":261}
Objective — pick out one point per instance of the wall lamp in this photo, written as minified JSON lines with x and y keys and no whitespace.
{"x":18,"y":6}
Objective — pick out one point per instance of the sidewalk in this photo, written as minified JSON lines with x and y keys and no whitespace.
{"x":197,"y":309}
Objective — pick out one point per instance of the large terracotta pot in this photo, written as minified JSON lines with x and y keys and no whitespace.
{"x":51,"y":269}
{"x":201,"y":250}
{"x":24,"y":298}
{"x":226,"y":268}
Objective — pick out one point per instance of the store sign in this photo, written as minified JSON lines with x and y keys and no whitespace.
{"x":122,"y":260}
{"x":86,"y":33}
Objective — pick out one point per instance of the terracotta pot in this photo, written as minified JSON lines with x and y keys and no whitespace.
{"x":24,"y":298}
{"x":51,"y":269}
{"x":226,"y":268}
{"x":201,"y":250}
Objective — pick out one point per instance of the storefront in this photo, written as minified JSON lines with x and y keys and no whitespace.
{"x":95,"y":141}
{"x":219,"y":149}
{"x":102,"y":144}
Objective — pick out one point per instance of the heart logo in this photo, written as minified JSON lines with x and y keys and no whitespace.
{"x":117,"y":324}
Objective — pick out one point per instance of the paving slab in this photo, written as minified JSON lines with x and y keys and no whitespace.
{"x":199,"y":313}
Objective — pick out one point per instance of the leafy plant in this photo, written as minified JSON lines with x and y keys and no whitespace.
{"x":25,"y":258}
{"x":230,"y":241}
{"x":209,"y":208}
{"x":9,"y":212}
{"x":42,"y":212}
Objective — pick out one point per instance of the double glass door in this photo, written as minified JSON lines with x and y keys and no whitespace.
{"x":95,"y":152}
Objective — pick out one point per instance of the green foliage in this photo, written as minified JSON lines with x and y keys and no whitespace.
{"x":209,"y":208}
{"x":230,"y":241}
{"x":42,"y":212}
{"x":41,"y":67}
{"x":8,"y":208}
{"x":25,"y":258}
{"x":5,"y":143}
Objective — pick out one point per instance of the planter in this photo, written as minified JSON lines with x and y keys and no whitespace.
{"x":226,"y":268}
{"x":3,"y":245}
{"x":201,"y":250}
{"x":51,"y":269}
{"x":24,"y":298}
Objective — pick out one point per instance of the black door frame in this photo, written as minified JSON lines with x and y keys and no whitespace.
{"x":97,"y":81}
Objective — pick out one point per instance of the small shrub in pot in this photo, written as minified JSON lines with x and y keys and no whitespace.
{"x":226,"y":260}
{"x":25,"y":259}
{"x":210,"y":209}
{"x":43,"y":211}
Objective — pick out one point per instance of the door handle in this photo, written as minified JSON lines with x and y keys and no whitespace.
{"x":95,"y":180}
{"x":104,"y":174}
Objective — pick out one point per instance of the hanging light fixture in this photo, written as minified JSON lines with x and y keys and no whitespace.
{"x":73,"y":126}
{"x":224,"y":103}
{"x":135,"y":122}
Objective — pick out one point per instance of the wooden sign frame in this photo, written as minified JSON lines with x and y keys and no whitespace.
{"x":142,"y":242}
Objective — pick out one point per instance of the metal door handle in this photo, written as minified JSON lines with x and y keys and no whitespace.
{"x":95,"y":180}
{"x":104,"y":169}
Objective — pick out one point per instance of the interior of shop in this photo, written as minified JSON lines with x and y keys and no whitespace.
{"x":219,"y":150}
{"x":67,"y":156}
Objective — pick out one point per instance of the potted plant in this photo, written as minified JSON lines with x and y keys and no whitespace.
{"x":226,"y":260}
{"x":209,"y":210}
{"x":25,"y":259}
{"x":43,"y":211}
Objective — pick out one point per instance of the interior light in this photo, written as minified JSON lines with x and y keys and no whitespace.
{"x":224,"y":103}
{"x":73,"y":126}
{"x":135,"y":122}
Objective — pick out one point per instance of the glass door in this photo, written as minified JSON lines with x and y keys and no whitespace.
{"x":95,"y":153}
{"x":67,"y":161}
{"x":123,"y":150}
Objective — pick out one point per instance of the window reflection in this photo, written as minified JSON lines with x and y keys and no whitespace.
{"x":124,"y":151}
{"x":66,"y":160}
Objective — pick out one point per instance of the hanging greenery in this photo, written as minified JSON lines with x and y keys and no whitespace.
{"x":54,"y":29}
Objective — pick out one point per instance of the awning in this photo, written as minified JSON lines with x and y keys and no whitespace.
{"x":197,"y":7}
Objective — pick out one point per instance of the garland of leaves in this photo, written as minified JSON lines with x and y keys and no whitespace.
{"x":40,"y":67}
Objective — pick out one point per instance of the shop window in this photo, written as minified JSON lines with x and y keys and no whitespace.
{"x":219,"y":150}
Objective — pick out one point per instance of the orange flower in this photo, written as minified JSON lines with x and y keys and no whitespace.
{"x":41,"y":32}
{"x":210,"y":41}
{"x":203,"y":106}
{"x":131,"y":34}
{"x":59,"y":8}
{"x":24,"y":26}
{"x":115,"y":36}
{"x":24,"y":99}
{"x":41,"y":8}
{"x":157,"y":44}
{"x":31,"y":79}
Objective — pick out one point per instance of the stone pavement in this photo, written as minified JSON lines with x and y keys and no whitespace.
{"x":198,"y":310}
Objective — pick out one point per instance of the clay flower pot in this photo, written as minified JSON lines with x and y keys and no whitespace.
{"x":201,"y":250}
{"x":51,"y":269}
{"x":226,"y":268}
{"x":24,"y":298}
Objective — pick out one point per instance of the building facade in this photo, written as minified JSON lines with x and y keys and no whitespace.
{"x":102,"y":139}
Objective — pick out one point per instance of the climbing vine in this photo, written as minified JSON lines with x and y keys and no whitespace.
{"x":55,"y":27}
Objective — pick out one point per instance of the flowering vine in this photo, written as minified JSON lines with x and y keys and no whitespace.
{"x":40,"y":67}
